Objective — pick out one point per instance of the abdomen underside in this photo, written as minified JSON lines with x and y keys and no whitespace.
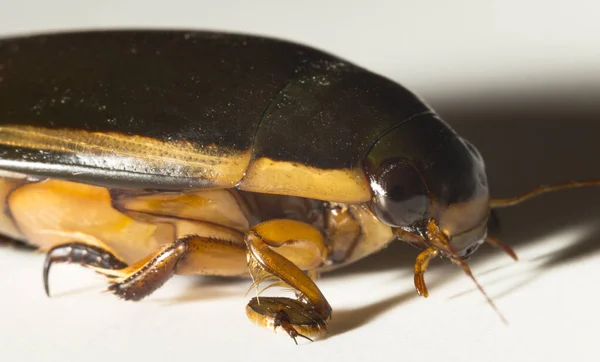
{"x":135,"y":223}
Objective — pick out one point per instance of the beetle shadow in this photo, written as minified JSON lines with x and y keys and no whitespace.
{"x":530,"y":137}
{"x":582,"y":246}
{"x":347,"y":319}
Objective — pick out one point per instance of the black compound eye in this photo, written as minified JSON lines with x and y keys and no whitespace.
{"x":401,"y":196}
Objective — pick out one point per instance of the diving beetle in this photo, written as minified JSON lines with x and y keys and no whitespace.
{"x":144,"y":154}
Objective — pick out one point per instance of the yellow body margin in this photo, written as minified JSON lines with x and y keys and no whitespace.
{"x":287,"y":178}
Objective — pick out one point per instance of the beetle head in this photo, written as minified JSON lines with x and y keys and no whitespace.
{"x":423,"y":174}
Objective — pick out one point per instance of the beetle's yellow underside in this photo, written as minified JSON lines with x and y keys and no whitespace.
{"x":53,"y":212}
{"x":132,"y":226}
{"x":222,"y":232}
{"x":220,"y":167}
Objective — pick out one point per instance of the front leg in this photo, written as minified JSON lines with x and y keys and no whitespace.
{"x":298,"y":247}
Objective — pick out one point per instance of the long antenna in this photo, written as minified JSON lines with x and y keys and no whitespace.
{"x":436,"y":236}
{"x":498,"y":203}
{"x":468,"y":271}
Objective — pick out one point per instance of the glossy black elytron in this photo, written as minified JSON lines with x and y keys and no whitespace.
{"x":270,"y":98}
{"x":285,"y":101}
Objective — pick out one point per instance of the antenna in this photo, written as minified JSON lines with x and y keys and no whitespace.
{"x":499,"y":203}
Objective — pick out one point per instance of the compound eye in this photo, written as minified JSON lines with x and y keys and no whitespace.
{"x":401,"y":196}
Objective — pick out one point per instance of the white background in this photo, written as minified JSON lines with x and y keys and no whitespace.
{"x":521,"y":79}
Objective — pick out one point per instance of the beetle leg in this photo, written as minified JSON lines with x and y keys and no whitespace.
{"x":189,"y":254}
{"x":86,"y":255}
{"x":420,"y":267}
{"x":282,"y":320}
{"x":298,"y":247}
{"x":139,"y":280}
{"x":423,"y":258}
{"x":296,"y":318}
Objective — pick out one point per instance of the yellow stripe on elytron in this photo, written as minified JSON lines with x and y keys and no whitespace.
{"x":223,"y":166}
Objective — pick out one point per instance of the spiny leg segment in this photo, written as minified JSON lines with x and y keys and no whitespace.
{"x":147,"y":275}
{"x":141,"y":279}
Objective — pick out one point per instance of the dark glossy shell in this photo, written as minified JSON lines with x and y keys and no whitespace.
{"x":172,"y":110}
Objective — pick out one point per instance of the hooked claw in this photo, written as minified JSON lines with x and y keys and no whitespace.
{"x":85,"y":255}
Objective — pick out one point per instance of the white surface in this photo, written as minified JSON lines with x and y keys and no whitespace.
{"x":520,"y":78}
